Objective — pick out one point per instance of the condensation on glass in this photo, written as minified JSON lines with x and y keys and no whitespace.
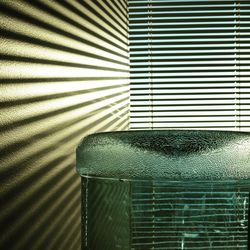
{"x":171,"y":189}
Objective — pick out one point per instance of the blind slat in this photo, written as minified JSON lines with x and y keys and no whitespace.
{"x":190,"y":58}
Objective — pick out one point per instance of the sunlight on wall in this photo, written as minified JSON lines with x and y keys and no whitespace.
{"x":64,"y":74}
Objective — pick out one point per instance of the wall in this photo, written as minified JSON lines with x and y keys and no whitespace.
{"x":64,"y":74}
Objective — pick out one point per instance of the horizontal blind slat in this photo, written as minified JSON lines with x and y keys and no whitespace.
{"x":190,"y":58}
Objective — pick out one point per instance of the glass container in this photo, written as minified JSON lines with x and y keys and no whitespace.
{"x":167,"y":189}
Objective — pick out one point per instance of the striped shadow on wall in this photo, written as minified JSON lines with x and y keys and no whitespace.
{"x":64,"y":74}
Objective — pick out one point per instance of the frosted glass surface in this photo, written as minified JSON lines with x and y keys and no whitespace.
{"x":168,"y":154}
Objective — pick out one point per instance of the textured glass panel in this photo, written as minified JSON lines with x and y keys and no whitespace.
{"x":175,"y":215}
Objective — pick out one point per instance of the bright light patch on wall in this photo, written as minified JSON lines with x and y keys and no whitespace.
{"x":64,"y":74}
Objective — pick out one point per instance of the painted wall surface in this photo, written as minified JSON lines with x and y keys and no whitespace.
{"x":63,"y":74}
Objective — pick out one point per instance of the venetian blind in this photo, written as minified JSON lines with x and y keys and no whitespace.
{"x":190,"y":64}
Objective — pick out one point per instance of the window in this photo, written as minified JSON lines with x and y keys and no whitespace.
{"x":190,"y":64}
